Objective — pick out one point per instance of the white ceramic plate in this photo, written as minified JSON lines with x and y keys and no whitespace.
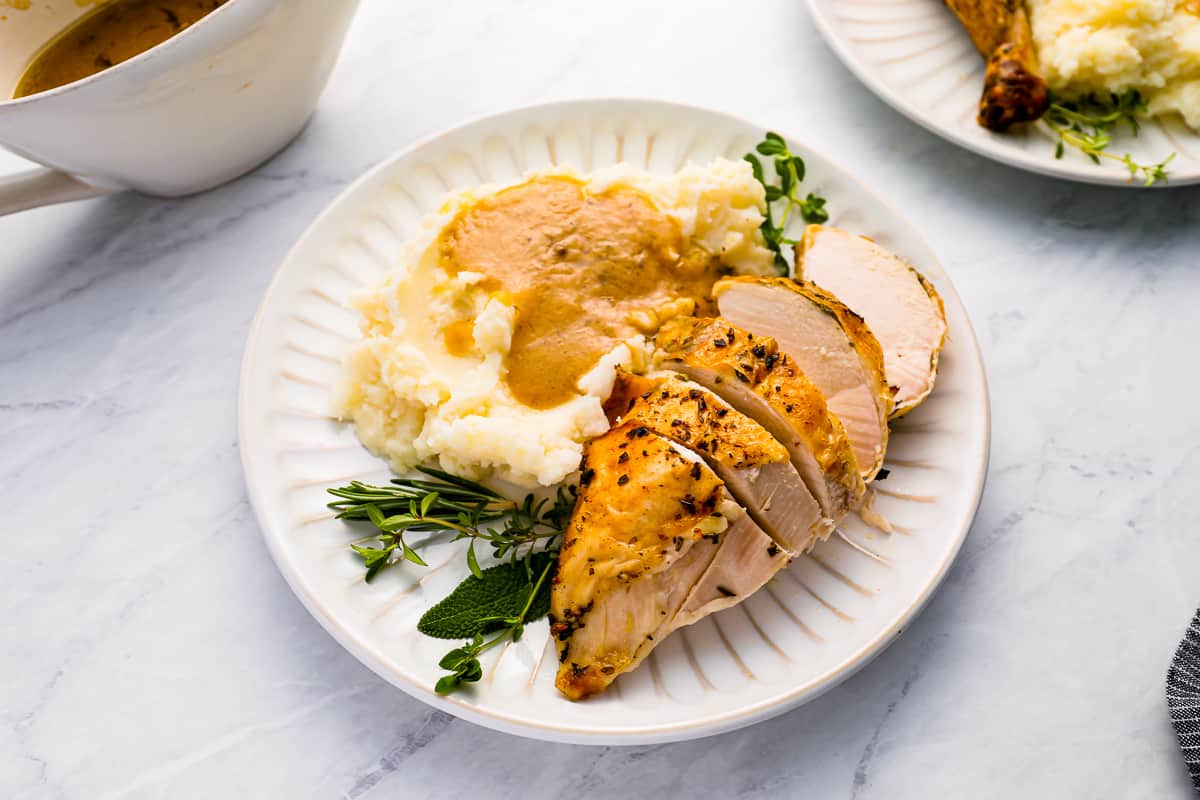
{"x":815,"y":625}
{"x":917,"y":58}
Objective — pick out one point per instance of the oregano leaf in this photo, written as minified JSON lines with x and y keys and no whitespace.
{"x":446,"y":684}
{"x":452,"y":659}
{"x":755,"y":167}
{"x":411,"y":555}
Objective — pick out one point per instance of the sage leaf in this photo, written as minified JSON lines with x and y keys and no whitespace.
{"x":482,"y":603}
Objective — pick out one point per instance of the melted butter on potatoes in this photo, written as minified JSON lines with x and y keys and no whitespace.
{"x":494,"y":343}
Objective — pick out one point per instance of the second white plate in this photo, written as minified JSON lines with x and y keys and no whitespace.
{"x":915,"y":56}
{"x":812,"y":627}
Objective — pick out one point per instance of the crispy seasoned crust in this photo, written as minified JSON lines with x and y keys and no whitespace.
{"x":865,"y":345}
{"x":642,"y":508}
{"x":715,"y":343}
{"x":787,"y":388}
{"x":697,"y":419}
{"x":987,"y":22}
{"x":757,"y":468}
{"x":627,"y":388}
{"x":1013,"y":90}
{"x":737,"y":355}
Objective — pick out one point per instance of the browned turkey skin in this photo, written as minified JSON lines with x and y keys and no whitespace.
{"x":1013,"y":88}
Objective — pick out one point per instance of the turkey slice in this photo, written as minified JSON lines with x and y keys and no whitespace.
{"x":753,"y":465}
{"x":829,"y":343}
{"x":900,"y":306}
{"x":654,"y":542}
{"x":751,"y":375}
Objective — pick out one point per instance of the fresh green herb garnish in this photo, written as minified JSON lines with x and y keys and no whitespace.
{"x":1088,"y":125}
{"x":789,"y":170}
{"x":462,"y":663}
{"x":504,"y":597}
{"x":448,"y":503}
{"x":484,"y":602}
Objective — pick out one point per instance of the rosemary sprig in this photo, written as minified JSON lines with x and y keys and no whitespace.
{"x":455,"y":494}
{"x":442,"y":502}
{"x":462,"y":663}
{"x":1088,"y":125}
{"x":789,"y":170}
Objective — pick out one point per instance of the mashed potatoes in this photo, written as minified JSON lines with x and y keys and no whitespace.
{"x":412,"y":400}
{"x":1112,"y":45}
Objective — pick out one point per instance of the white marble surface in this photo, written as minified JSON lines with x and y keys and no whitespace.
{"x":150,"y":649}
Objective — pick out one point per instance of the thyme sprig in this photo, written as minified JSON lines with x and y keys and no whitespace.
{"x":789,"y":171}
{"x":1088,"y":125}
{"x":442,"y":502}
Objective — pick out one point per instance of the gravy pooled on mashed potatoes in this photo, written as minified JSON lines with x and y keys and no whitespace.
{"x":492,"y":341}
{"x":583,"y":272}
{"x":115,"y":32}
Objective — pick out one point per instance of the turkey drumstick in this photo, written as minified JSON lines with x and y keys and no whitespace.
{"x":1013,"y":88}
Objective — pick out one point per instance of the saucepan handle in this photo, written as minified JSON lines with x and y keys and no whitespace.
{"x":41,"y":187}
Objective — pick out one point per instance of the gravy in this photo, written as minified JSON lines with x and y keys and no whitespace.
{"x":115,"y":32}
{"x":584,"y":272}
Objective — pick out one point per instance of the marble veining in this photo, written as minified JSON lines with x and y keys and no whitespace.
{"x":151,"y":650}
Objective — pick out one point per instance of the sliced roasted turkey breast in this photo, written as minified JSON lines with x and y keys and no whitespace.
{"x":754,"y":466}
{"x":654,"y":542}
{"x":750,"y":374}
{"x":901,"y":308}
{"x":746,"y":559}
{"x":829,"y":343}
